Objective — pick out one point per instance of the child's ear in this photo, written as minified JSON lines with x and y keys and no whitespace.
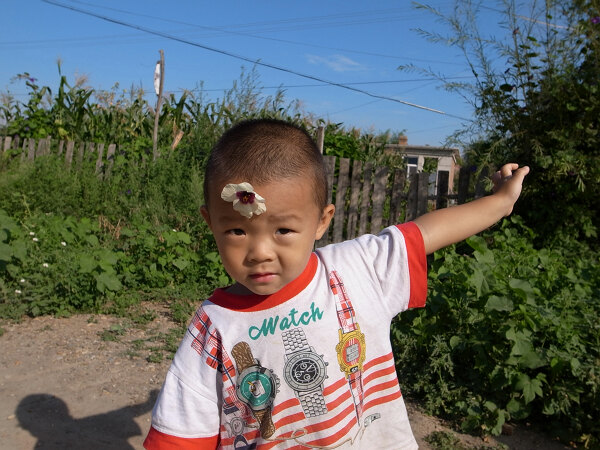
{"x":325,"y":220}
{"x":206,"y":215}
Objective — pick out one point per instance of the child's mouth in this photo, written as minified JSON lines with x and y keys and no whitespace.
{"x":262,"y":277}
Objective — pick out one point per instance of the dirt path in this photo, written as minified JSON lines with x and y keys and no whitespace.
{"x":84,"y":383}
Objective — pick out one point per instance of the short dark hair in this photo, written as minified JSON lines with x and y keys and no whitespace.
{"x":265,"y":150}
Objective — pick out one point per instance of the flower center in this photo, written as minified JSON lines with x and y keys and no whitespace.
{"x":245,"y":197}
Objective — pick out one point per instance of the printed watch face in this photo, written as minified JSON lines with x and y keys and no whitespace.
{"x":305,"y":371}
{"x":351,"y":352}
{"x":257,"y":387}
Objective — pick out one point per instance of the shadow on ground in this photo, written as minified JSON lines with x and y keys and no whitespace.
{"x":47,"y":418}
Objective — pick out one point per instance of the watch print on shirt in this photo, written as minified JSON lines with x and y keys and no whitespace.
{"x":250,"y":398}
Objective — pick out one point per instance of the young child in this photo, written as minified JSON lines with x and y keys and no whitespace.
{"x":296,"y":353}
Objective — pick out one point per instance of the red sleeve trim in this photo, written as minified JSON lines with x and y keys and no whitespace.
{"x":161,"y":441}
{"x":417,"y":264}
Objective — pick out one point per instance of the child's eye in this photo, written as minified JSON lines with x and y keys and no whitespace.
{"x":284,"y":231}
{"x":236,"y":232}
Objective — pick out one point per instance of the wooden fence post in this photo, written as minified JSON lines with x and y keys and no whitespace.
{"x":320,"y":138}
{"x":340,"y":199}
{"x":99,"y":159}
{"x":464,"y":176}
{"x":69,"y":153}
{"x":31,"y":149}
{"x":365,"y":200}
{"x":7,"y":142}
{"x":441,"y":201}
{"x":354,"y":198}
{"x":379,"y":185}
{"x":110,"y":157}
{"x":397,"y":189}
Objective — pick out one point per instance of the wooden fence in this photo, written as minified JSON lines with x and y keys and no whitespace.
{"x":368,"y":198}
{"x":73,"y":153}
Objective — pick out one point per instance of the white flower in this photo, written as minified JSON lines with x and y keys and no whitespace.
{"x":22,"y":280}
{"x":35,"y":239}
{"x":31,"y":233}
{"x":17,"y":291}
{"x":63,"y":243}
{"x":45,"y":265}
{"x":245,"y":200}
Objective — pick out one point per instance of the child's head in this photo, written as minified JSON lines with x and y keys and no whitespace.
{"x":265,"y":150}
{"x":265,"y":250}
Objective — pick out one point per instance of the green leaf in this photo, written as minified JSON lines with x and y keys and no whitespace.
{"x":19,"y":250}
{"x":478,"y":281}
{"x":181,"y":263}
{"x":454,"y":341}
{"x":108,"y":281}
{"x":477,"y":243}
{"x":184,"y":237}
{"x":496,"y":303}
{"x":531,"y":360}
{"x":6,"y":252}
{"x":87,"y":263}
{"x":92,"y":240}
{"x":523,"y":289}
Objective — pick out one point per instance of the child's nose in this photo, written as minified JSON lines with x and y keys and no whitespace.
{"x":260,"y":250}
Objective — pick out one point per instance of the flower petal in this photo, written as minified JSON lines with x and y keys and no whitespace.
{"x":245,"y":209}
{"x":228,"y":193}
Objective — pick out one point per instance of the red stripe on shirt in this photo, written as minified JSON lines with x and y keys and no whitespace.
{"x":162,"y":441}
{"x":378,"y":360}
{"x":417,"y":263}
{"x":378,"y":401}
{"x":329,"y":440}
{"x":285,"y":405}
{"x":380,"y":387}
{"x":379,"y":374}
{"x":335,"y":386}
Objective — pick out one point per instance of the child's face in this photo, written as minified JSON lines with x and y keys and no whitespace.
{"x":266,"y":252}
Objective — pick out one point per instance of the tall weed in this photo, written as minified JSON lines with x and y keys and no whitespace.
{"x":509,"y":333}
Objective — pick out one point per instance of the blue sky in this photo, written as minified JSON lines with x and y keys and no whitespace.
{"x":357,"y":43}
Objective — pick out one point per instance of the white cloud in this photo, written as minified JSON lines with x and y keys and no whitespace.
{"x":338,"y":63}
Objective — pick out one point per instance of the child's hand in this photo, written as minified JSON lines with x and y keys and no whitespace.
{"x":508,"y":181}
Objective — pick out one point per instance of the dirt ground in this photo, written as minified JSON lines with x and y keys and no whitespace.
{"x":67,"y":384}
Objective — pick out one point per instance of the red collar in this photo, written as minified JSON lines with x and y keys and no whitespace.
{"x":256,"y":302}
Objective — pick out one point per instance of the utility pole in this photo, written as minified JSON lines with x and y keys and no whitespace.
{"x":159,"y":78}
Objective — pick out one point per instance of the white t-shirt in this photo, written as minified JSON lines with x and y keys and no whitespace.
{"x":310,"y":366}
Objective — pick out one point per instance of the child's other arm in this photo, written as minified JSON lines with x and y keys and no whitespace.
{"x":447,"y":226}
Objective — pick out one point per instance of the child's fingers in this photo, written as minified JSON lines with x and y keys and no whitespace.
{"x":506,"y":170}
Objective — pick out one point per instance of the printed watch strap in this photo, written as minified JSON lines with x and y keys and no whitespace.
{"x":294,"y":340}
{"x":243,"y":356}
{"x":267,"y":427}
{"x":343,"y":305}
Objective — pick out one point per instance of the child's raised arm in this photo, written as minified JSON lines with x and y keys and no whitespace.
{"x":447,"y":226}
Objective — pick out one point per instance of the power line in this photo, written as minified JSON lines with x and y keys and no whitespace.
{"x":245,"y":58}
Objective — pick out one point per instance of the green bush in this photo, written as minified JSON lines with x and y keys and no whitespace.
{"x":509,"y":333}
{"x":51,"y":264}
